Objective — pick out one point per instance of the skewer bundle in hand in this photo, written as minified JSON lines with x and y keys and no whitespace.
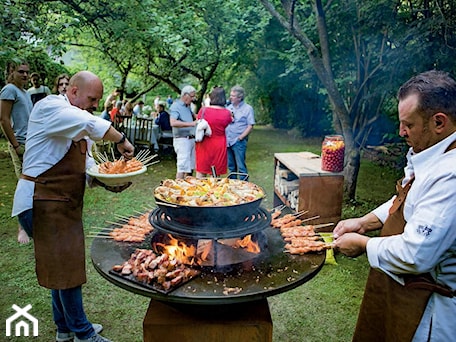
{"x":300,"y":238}
{"x":119,"y":166}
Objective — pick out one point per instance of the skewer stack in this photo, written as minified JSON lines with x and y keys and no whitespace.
{"x":143,"y":157}
{"x":129,"y":229}
{"x":299,"y":238}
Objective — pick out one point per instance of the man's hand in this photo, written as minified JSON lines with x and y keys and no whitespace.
{"x":20,"y":150}
{"x":126,"y":149}
{"x":351,"y":244}
{"x":352,"y":225}
{"x":360,"y":225}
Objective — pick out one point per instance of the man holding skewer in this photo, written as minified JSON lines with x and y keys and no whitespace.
{"x":410,"y":292}
{"x":49,"y":195}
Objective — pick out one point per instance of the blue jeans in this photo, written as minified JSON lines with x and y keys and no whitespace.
{"x":67,"y":308}
{"x":26,"y":221}
{"x":68,"y":313}
{"x":236,"y":160}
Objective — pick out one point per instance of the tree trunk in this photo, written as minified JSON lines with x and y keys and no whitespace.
{"x":351,"y":170}
{"x":321,"y":62}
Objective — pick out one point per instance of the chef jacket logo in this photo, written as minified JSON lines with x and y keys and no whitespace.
{"x":426,"y":231}
{"x":21,"y":325}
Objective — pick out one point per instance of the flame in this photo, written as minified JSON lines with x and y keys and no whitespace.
{"x":179,"y":251}
{"x":248,"y":244}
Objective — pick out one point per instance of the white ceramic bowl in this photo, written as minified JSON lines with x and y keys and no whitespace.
{"x":114,"y":179}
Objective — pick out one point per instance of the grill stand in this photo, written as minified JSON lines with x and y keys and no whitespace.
{"x":241,"y":322}
{"x":200,"y":311}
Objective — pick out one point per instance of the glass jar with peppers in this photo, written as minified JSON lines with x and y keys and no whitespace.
{"x":332,"y":153}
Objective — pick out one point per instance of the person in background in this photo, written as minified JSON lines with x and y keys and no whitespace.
{"x":138,"y":108}
{"x":237,"y":132}
{"x":410,"y":292}
{"x":49,"y":196}
{"x":169,"y":101}
{"x":183,"y":125}
{"x":211,"y":152}
{"x":207,"y":100}
{"x":124,"y":104}
{"x":105,"y":114}
{"x":60,"y":84}
{"x":37,"y":91}
{"x":156,"y":103}
{"x":128,"y":110}
{"x":162,"y":119}
{"x":115,"y":112}
{"x":112,"y":97}
{"x":15,"y":107}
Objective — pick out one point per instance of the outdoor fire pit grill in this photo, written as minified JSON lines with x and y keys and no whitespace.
{"x":270,"y":272}
{"x":253,"y":276}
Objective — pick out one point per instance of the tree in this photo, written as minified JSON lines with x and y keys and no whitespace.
{"x":159,"y":43}
{"x":357,"y":52}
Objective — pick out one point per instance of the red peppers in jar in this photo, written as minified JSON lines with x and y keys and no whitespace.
{"x":332,"y":153}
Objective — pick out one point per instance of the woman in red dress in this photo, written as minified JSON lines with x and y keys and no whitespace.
{"x":211,"y":152}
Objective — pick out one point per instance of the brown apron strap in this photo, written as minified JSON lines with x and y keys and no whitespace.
{"x":33,"y":179}
{"x":401,"y":195}
{"x":451,"y":147}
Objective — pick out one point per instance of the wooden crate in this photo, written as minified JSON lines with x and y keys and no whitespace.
{"x":320,"y":192}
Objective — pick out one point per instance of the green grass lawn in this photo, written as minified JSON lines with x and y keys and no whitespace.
{"x":324,"y":309}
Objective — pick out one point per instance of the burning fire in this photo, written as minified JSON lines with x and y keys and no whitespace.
{"x":179,"y":251}
{"x":187,"y":254}
{"x":248,"y":244}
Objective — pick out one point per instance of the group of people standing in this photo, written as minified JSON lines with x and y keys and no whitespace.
{"x":224,"y":148}
{"x":16,"y":103}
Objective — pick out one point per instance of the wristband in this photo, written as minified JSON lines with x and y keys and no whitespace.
{"x":122,"y":139}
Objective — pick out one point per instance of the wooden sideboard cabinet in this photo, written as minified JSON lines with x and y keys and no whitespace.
{"x":301,"y":184}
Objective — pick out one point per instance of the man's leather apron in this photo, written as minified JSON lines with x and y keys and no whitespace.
{"x":57,"y":221}
{"x":390,"y":311}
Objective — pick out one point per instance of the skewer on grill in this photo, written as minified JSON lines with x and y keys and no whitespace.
{"x":117,"y":223}
{"x":100,"y":236}
{"x":300,"y":213}
{"x":102,"y":228}
{"x":311,"y":218}
{"x":323,"y":225}
{"x":279,"y":208}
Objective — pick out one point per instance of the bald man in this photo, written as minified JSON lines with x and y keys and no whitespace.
{"x":49,"y":195}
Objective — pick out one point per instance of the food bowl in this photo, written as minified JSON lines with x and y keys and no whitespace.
{"x":116,"y":178}
{"x":217,"y":217}
{"x":222,"y":215}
